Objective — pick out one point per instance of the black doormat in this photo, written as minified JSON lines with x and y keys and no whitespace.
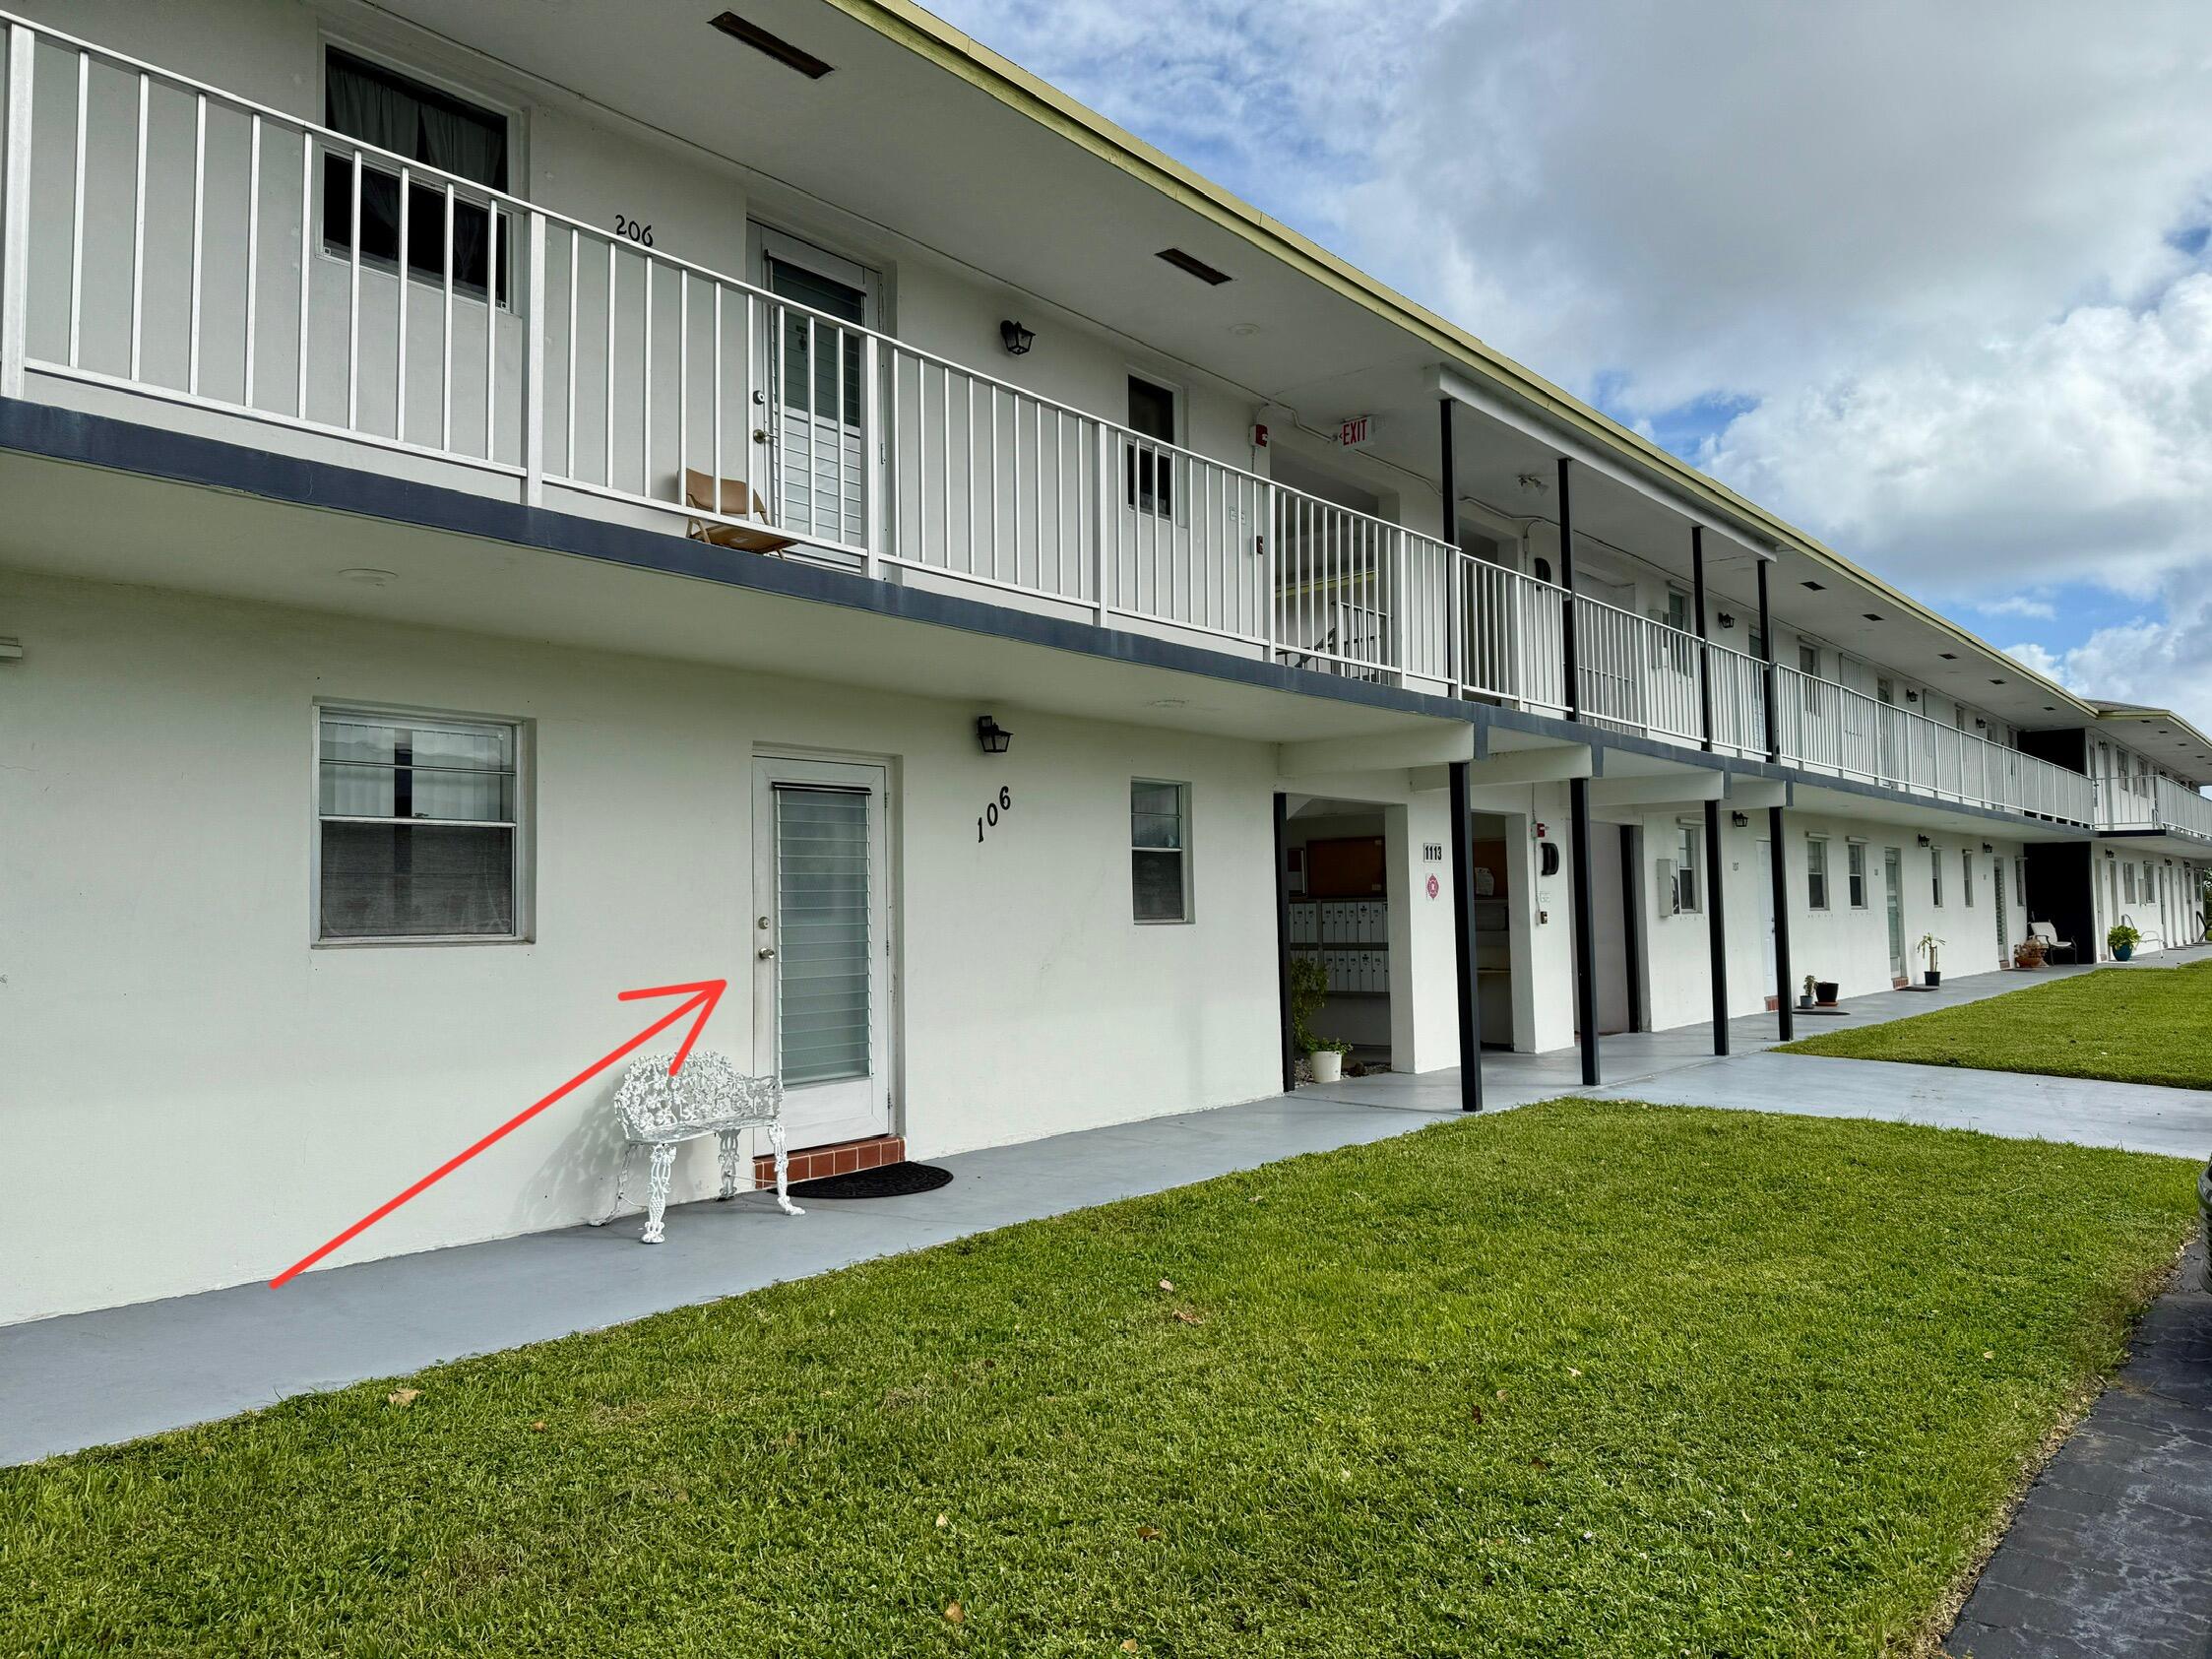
{"x":892,"y":1180}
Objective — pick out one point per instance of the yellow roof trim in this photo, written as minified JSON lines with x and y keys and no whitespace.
{"x":931,"y":37}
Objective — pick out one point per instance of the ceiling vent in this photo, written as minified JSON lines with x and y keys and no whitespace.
{"x":1817,"y":587}
{"x":1194,"y":266}
{"x":774,"y":45}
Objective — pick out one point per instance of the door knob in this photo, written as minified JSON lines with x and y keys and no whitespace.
{"x":766,"y":952}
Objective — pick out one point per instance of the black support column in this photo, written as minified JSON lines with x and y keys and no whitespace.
{"x":1463,"y":942}
{"x":1632,"y":927}
{"x":1578,"y":804}
{"x":1716,"y":925}
{"x":1463,"y":828}
{"x":1716,"y":904}
{"x":1282,"y":939}
{"x":1704,"y":662}
{"x":1778,"y":860}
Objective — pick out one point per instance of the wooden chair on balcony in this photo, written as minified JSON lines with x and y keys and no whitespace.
{"x":733,"y":499}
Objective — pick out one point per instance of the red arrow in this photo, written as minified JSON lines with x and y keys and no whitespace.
{"x":703,"y":996}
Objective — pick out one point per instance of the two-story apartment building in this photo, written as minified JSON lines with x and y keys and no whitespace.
{"x":511,"y":503}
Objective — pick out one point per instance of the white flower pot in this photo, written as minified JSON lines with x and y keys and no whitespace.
{"x":1327,"y":1064}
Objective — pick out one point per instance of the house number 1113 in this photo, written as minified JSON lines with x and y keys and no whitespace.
{"x":991,"y":813}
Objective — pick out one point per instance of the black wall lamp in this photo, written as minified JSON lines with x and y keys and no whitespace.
{"x":993,"y":737}
{"x":1739,"y":821}
{"x":1018,"y":338}
{"x":1923,"y":841}
{"x":1726,"y":619}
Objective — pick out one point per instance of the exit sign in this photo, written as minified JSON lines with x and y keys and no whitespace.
{"x":1356,"y":431}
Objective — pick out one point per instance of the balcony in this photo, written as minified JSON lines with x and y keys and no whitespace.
{"x":2144,"y":805}
{"x":1823,"y":726}
{"x":169,"y":244}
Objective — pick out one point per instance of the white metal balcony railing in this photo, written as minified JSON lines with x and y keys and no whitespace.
{"x":1830,"y":728}
{"x":2152,"y":803}
{"x":164,"y":239}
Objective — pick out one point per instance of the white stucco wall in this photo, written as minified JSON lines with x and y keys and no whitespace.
{"x":1848,"y":946}
{"x":197,"y":1097}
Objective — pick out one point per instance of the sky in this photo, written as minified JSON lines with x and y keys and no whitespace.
{"x":1934,"y":281}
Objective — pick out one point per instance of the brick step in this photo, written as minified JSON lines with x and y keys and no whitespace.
{"x":841,"y":1158}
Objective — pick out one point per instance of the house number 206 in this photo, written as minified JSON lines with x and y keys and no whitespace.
{"x":625,"y":225}
{"x":991,"y":813}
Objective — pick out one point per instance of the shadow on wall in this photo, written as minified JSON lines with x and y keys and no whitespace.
{"x":581,"y":1168}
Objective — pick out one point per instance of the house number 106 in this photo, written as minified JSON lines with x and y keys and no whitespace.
{"x":990,"y":820}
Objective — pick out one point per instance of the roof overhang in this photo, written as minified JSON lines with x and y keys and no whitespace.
{"x":2161,"y":735}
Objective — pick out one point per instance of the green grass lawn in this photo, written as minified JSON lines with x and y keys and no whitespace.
{"x":1585,"y":1378}
{"x":2134,"y":1026}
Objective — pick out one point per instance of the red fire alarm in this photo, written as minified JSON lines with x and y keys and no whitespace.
{"x":1259,"y":437}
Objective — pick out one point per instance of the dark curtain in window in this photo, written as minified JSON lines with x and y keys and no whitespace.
{"x":423,"y":125}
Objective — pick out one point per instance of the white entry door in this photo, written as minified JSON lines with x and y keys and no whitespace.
{"x":821,"y":936}
{"x":1766,"y":911}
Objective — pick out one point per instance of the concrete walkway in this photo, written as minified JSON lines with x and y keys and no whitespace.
{"x":2111,"y":1554}
{"x":88,"y":1378}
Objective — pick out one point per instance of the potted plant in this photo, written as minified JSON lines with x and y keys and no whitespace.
{"x":1309,"y":988}
{"x":1327,"y":1059}
{"x":2028,"y":953}
{"x":1928,"y":947}
{"x":2123,"y":939}
{"x":1805,"y":998}
{"x":1826,"y":992}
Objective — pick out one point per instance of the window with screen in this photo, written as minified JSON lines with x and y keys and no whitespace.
{"x":1966,"y":878}
{"x":417,"y":123}
{"x":1150,"y":470}
{"x":820,"y":362}
{"x":1855,"y":874}
{"x":419,"y":828}
{"x":1685,"y":870}
{"x":1160,"y":850}
{"x":1816,"y":873}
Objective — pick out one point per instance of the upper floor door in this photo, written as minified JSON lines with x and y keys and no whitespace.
{"x":816,"y":447}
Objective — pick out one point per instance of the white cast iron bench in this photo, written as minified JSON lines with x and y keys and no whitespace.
{"x":708,"y":1097}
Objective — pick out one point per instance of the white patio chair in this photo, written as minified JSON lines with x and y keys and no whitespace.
{"x":2051,"y":942}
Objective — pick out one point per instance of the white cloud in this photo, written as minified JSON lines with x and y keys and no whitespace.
{"x":2162,"y":661}
{"x":2081,"y":449}
{"x":2041,"y":659}
{"x":2015,"y":605}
